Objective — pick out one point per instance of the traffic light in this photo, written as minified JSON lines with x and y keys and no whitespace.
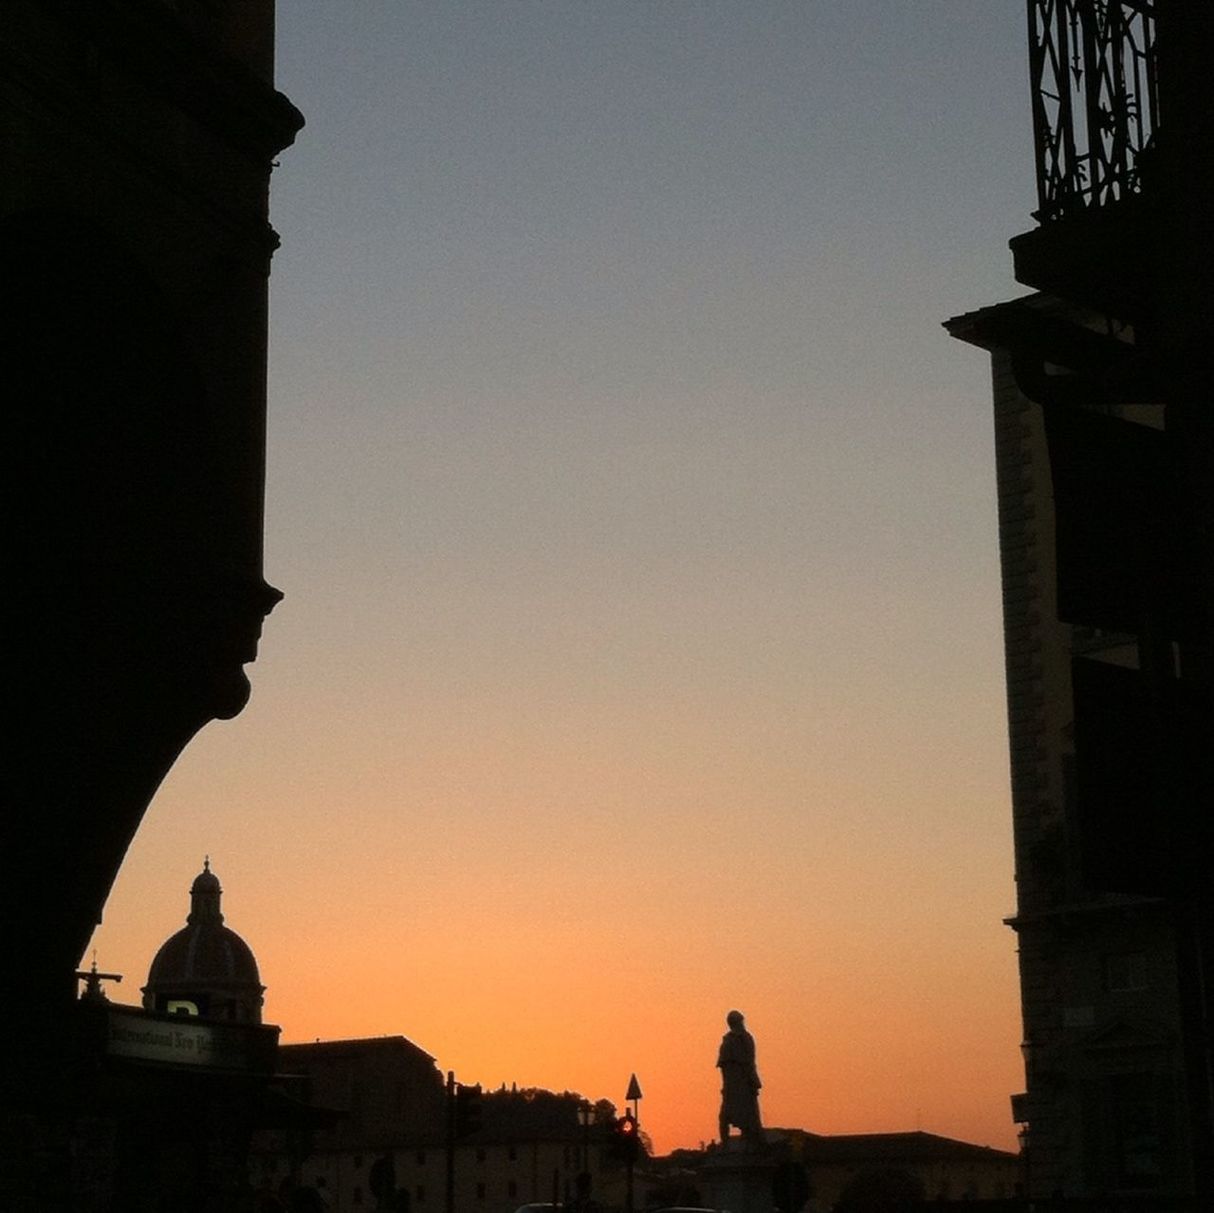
{"x":626,"y":1139}
{"x":468,"y":1108}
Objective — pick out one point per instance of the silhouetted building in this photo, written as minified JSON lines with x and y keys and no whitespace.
{"x":391,"y":1132}
{"x":1104,"y":1106}
{"x":135,"y":247}
{"x":387,"y":1098}
{"x":162,"y":1101}
{"x":940,"y":1168}
{"x":532,"y":1146}
{"x":389,"y":1090}
{"x":134,"y":257}
{"x":923,"y":1166}
{"x":205,"y":968}
{"x":1104,"y":424}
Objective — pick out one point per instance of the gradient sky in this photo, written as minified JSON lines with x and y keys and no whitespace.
{"x":641,"y":651}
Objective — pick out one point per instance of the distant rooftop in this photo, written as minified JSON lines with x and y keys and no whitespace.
{"x":914,"y":1147}
{"x":347,"y":1048}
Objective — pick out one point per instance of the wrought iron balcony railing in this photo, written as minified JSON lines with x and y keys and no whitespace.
{"x":1095,"y":106}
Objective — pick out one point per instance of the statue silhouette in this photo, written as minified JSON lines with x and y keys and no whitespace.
{"x":740,"y":1082}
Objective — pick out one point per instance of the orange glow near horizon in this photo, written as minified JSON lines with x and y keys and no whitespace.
{"x":874,"y":1007}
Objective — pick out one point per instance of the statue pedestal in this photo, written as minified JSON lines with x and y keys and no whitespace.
{"x":738,"y":1180}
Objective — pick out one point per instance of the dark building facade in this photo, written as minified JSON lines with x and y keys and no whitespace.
{"x":1104,"y":1107}
{"x":138,"y":138}
{"x":134,"y":257}
{"x":1104,"y":426}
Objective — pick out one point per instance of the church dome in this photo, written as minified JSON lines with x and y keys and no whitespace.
{"x":205,"y":968}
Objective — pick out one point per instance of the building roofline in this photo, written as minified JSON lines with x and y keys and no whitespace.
{"x":357,"y":1044}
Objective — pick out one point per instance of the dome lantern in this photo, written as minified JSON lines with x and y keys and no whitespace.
{"x":204,"y":896}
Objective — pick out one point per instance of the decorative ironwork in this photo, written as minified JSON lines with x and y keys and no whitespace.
{"x":1094,"y":99}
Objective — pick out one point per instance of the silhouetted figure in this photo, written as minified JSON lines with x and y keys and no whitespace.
{"x":740,"y":1082}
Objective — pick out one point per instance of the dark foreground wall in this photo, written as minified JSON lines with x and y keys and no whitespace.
{"x":138,"y":138}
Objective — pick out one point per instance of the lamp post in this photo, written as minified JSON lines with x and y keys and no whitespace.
{"x":585,"y":1115}
{"x":634,"y":1097}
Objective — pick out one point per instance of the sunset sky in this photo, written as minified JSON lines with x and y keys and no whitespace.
{"x":641,"y":654}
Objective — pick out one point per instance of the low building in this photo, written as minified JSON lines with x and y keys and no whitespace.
{"x":387,"y":1132}
{"x":840,"y":1168}
{"x":532,"y":1147}
{"x":941,"y":1168}
{"x":387,"y":1146}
